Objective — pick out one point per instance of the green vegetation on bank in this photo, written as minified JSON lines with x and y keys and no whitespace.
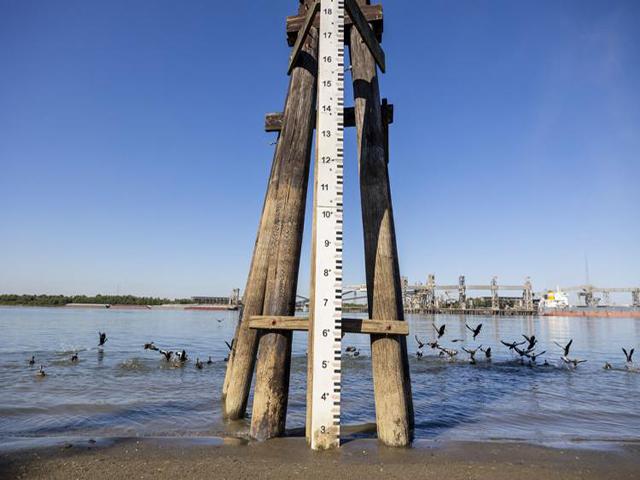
{"x":61,"y":300}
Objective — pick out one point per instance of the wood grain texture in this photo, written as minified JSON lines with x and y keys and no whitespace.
{"x":373,"y":14}
{"x":366,"y":33}
{"x":237,"y":383}
{"x":293,"y":151}
{"x":302,"y":34}
{"x":392,"y":384}
{"x":349,"y":325}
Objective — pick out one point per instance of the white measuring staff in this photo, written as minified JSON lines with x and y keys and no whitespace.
{"x":327,"y":244}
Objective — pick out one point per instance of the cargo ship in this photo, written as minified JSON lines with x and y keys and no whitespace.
{"x":556,"y":304}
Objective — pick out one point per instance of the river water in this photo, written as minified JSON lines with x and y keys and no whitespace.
{"x":123,"y":390}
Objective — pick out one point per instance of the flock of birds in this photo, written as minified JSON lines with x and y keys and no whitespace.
{"x":178,"y":358}
{"x":524,"y":349}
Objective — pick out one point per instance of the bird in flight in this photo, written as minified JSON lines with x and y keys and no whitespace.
{"x":532,"y":341}
{"x":572,"y":362}
{"x":472,"y":354}
{"x":102,"y":338}
{"x":512,"y":345}
{"x":629,"y":356}
{"x":476,"y":331}
{"x":534,"y":356}
{"x":566,"y":348}
{"x":440,"y":330}
{"x":167,"y":354}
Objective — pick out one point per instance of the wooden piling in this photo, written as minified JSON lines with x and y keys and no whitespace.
{"x":294,"y":152}
{"x":237,"y":382}
{"x":242,"y":358}
{"x":392,"y":384}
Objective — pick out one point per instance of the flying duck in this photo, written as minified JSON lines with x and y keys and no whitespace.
{"x":476,"y":331}
{"x":150,"y":346}
{"x":103,"y":338}
{"x":472,"y":354}
{"x":572,"y":362}
{"x":448,"y":351}
{"x":182,"y":356}
{"x":419,"y":354}
{"x":512,"y":345}
{"x":532,"y":341}
{"x":522,"y":353}
{"x":534,"y":356}
{"x":229,"y":345}
{"x":487,"y":352}
{"x":420,"y":343}
{"x":167,"y":354}
{"x":629,"y":356}
{"x":566,"y":348}
{"x":440,"y":330}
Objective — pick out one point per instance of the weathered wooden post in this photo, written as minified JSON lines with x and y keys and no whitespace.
{"x":237,"y":381}
{"x":392,"y":385}
{"x":267,"y":322}
{"x":277,"y":225}
{"x":294,"y":147}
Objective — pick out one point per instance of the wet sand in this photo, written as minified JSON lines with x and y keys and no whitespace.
{"x":286,"y":458}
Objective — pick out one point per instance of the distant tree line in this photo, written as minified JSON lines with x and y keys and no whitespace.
{"x":61,"y":300}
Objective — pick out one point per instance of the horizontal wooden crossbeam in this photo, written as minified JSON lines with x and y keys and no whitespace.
{"x":372,"y":13}
{"x":349,"y":325}
{"x":273,"y":121}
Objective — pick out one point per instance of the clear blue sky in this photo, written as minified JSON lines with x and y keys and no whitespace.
{"x":133,"y":157}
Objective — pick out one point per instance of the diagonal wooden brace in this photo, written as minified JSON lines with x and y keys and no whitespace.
{"x":373,"y":14}
{"x":308,"y":23}
{"x":366,"y":33}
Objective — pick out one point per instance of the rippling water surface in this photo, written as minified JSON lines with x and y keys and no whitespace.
{"x":124,"y":390}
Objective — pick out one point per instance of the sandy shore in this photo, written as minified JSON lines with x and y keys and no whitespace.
{"x":290,"y":458}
